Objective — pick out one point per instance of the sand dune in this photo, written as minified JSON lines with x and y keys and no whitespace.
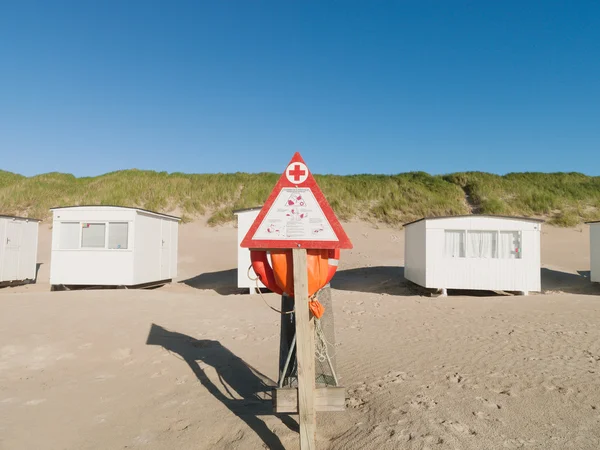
{"x":188,"y":366}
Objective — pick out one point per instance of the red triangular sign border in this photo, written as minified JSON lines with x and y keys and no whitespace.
{"x":343,"y":241}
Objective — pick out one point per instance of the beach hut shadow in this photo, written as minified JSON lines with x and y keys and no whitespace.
{"x":376,"y":280}
{"x":243,"y":389}
{"x":223,"y":282}
{"x":571,"y":283}
{"x":38,"y":266}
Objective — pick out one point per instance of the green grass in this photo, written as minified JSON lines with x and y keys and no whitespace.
{"x":566,"y":199}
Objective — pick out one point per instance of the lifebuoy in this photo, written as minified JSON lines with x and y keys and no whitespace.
{"x":263,"y":270}
{"x":321,"y":265}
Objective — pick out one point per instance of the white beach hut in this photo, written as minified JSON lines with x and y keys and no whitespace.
{"x":18,"y":249}
{"x":112,"y":246}
{"x":595,"y":251}
{"x":478,"y":252}
{"x":245,"y":218}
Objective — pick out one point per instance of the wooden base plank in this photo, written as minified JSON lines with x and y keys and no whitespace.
{"x":285,"y":400}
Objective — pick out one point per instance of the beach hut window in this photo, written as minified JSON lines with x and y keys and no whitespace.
{"x":482,"y":244}
{"x":69,"y":236}
{"x":117,"y":235}
{"x":509,"y":246}
{"x":454,"y":244}
{"x":93,"y":235}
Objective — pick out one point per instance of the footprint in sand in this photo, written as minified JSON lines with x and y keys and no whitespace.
{"x":179,"y":425}
{"x":121,"y":354}
{"x":458,"y":427}
{"x":455,"y":378}
{"x":240,"y":337}
{"x":159,"y":374}
{"x":181,"y":380}
{"x":518,"y":443}
{"x":103,"y":377}
{"x":423,"y":402}
{"x":355,"y":402}
{"x":8,"y":351}
{"x":488,"y":403}
{"x":65,"y":356}
{"x":85,"y":346}
{"x":35,"y":402}
{"x":100,"y":418}
{"x":391,"y":378}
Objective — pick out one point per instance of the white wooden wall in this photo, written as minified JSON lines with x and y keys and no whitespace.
{"x":444,"y":272}
{"x":18,"y":249}
{"x":415,"y":261}
{"x":595,"y":252}
{"x":245,"y":220}
{"x":92,"y":266}
{"x":147,"y":259}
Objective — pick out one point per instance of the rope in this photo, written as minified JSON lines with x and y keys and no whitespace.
{"x":261,"y":295}
{"x":321,"y":343}
{"x":321,"y":351}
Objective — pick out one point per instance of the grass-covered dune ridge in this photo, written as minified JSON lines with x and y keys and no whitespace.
{"x":564,"y":198}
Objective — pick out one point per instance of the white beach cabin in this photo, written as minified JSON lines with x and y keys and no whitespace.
{"x":477,"y":252}
{"x":18,"y":249}
{"x":112,"y":246}
{"x":594,"y":251}
{"x":245,"y":218}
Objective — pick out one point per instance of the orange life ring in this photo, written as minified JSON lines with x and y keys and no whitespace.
{"x":321,"y":265}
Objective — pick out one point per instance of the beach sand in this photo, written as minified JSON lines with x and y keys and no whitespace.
{"x":189,"y":365}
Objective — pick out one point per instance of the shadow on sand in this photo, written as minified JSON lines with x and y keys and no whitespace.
{"x":223,"y":282}
{"x":252,"y":389}
{"x":390,"y":280}
{"x":555,"y":280}
{"x":375,"y":280}
{"x":37,"y":271}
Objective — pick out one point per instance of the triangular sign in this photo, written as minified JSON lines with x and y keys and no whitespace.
{"x":296,"y":215}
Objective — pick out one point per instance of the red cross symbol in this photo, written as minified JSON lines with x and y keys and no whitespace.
{"x":297,"y":172}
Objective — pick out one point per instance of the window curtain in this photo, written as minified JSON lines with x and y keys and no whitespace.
{"x":454,"y":246}
{"x":481,"y":244}
{"x":509,"y":245}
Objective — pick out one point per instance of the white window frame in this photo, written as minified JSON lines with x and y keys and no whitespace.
{"x":106,"y":233}
{"x":61,"y":229}
{"x":104,"y":247}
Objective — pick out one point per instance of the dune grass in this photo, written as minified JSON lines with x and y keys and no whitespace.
{"x":565,"y":198}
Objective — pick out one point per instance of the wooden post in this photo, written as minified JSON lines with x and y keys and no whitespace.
{"x":305,"y":334}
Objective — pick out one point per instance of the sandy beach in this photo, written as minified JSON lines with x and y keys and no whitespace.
{"x":189,"y":365}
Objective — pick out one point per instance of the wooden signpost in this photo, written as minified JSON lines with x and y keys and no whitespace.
{"x":305,"y":333}
{"x":297,"y":216}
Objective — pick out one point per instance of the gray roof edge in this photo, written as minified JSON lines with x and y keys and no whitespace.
{"x":117,"y":206}
{"x":254,"y":208}
{"x":528,"y":219}
{"x":5,"y":216}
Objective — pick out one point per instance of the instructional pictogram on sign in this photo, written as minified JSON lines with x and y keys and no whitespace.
{"x":296,"y":215}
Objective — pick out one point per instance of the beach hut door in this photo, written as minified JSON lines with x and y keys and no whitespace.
{"x":12,"y":245}
{"x":165,"y":254}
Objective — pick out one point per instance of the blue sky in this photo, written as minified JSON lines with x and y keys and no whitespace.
{"x":88,"y":87}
